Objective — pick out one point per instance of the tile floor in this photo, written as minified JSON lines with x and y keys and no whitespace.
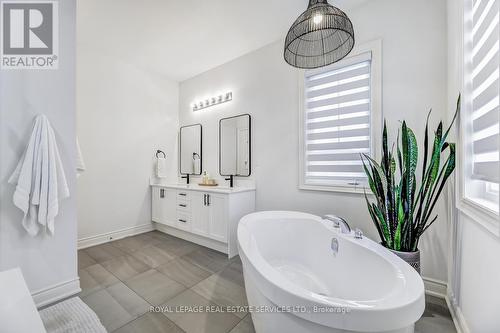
{"x":121,"y":280}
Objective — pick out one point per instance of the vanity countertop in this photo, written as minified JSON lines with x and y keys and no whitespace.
{"x":196,"y":187}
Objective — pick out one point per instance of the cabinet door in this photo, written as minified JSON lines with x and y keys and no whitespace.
{"x":163,"y":206}
{"x":156,"y":209}
{"x":200,"y":212}
{"x":170,"y":206}
{"x":217,"y":217}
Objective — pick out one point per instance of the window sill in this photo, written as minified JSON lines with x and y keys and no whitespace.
{"x":480,"y":215}
{"x":338,"y":189}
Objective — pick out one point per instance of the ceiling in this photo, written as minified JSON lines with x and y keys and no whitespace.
{"x":181,"y":39}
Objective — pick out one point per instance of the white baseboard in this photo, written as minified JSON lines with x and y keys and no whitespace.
{"x":207,"y":242}
{"x":114,"y":235}
{"x":435,"y":287}
{"x":457,"y":315}
{"x":56,"y":292}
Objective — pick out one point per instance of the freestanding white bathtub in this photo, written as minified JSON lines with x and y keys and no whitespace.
{"x":295,"y":283}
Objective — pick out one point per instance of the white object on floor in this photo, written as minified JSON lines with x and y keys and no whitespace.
{"x":161,"y":167}
{"x":80,"y":164}
{"x":344,"y":284}
{"x":71,"y":316}
{"x":40,"y":180}
{"x":18,"y":313}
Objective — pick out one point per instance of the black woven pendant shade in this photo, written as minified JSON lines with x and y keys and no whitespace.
{"x":322,"y":35}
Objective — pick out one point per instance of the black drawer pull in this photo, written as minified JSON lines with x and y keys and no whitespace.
{"x":183,"y":194}
{"x":183,"y":221}
{"x":183,"y":205}
{"x":162,"y":193}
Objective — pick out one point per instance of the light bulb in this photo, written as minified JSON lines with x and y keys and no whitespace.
{"x":318,"y":18}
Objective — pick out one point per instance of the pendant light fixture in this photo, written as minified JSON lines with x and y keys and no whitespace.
{"x":322,"y":35}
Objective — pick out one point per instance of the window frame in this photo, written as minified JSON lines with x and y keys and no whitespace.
{"x":376,"y":118}
{"x":467,"y":204}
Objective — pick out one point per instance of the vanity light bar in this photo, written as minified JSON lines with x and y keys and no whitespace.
{"x":227,"y":97}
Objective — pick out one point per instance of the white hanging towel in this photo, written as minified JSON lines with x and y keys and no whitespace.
{"x":80,"y":164}
{"x":161,"y":167}
{"x":196,"y":166}
{"x":40,"y":180}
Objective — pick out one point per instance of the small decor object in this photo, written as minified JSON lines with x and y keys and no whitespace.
{"x":322,"y":35}
{"x":204,"y":179}
{"x":207,"y":181}
{"x":401,"y":213}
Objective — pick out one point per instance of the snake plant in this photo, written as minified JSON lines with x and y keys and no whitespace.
{"x":401,"y":213}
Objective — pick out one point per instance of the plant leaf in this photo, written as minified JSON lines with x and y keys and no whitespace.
{"x":376,"y":222}
{"x":383,"y":224}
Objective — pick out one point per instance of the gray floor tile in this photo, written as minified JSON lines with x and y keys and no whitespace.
{"x":184,"y":272}
{"x":214,"y":279}
{"x":244,"y":326}
{"x":233,"y":273}
{"x":154,"y":287}
{"x":434,"y":305}
{"x":207,"y":322}
{"x":84,"y":260}
{"x":133,"y":243}
{"x":435,"y":324}
{"x":129,"y":300}
{"x":107,"y":308}
{"x":125,"y":267}
{"x":104,"y":252}
{"x":150,"y":323}
{"x":94,"y":278}
{"x":153,"y":256}
{"x":160,"y":235}
{"x":177,"y":247}
{"x":207,"y":259}
{"x":222,"y":292}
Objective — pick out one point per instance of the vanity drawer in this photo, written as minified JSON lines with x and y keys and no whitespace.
{"x":183,"y":205}
{"x":183,"y":195}
{"x":183,"y":220}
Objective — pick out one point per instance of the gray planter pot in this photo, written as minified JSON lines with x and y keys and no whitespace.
{"x":412,"y":258}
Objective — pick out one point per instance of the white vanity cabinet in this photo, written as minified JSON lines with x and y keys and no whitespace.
{"x":205,"y":216}
{"x":164,"y":205}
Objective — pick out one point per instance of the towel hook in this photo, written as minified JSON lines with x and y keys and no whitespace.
{"x":158,"y":152}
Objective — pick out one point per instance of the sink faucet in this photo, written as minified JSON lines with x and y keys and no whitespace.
{"x":339,"y":222}
{"x":231,"y":180}
{"x":187,"y":178}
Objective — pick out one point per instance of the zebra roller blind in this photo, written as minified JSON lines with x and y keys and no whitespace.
{"x":484,"y":75}
{"x":337,"y":122}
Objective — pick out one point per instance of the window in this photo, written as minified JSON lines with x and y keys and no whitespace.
{"x":339,"y":122}
{"x":480,"y":124}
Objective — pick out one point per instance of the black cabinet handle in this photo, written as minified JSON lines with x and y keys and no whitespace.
{"x":162,"y":193}
{"x":182,"y":194}
{"x":208,"y":199}
{"x":183,"y":221}
{"x":183,"y":205}
{"x":204,"y":199}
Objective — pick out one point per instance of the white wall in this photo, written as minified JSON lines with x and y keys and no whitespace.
{"x":45,"y":261}
{"x":263,"y":85}
{"x":474,"y":289}
{"x":125,"y":112}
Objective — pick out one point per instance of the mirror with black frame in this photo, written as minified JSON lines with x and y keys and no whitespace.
{"x":234,"y":146}
{"x":190,"y":150}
